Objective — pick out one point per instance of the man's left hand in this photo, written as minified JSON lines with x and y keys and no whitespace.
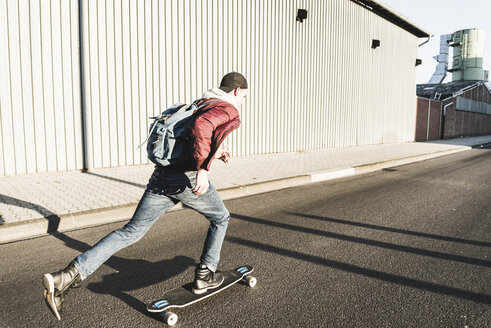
{"x":222,"y":154}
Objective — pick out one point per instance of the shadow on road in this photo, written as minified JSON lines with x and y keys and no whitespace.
{"x":375,"y":274}
{"x":389,"y":229}
{"x":400,"y":280}
{"x":53,"y":219}
{"x":133,"y":274}
{"x":139,"y":185}
{"x":483,"y":146}
{"x":369,"y":242}
{"x":460,"y":142}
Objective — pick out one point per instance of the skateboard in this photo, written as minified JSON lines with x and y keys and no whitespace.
{"x":183,"y":296}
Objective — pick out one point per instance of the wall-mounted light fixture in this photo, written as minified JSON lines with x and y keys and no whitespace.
{"x":375,"y":43}
{"x":301,"y":15}
{"x":418,"y":62}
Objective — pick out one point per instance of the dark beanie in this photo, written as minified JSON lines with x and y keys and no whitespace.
{"x":232,"y":81}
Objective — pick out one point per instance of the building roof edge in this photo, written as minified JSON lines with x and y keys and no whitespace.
{"x":394,"y":17}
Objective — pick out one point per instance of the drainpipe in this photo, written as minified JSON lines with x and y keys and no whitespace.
{"x":442,"y":125}
{"x":427,"y":40}
{"x":85,"y":160}
{"x":445,"y":107}
{"x":429,"y":116}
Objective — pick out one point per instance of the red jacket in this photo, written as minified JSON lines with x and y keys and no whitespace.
{"x":217,"y":120}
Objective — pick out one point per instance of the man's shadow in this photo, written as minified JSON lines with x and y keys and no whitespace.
{"x":134,"y":274}
{"x":131,"y":274}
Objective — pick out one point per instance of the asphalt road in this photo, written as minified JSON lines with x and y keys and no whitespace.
{"x":408,"y":246}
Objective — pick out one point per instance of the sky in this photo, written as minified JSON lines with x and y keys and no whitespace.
{"x":444,"y":17}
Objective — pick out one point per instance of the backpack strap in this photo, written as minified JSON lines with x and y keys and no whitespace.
{"x":201,"y":103}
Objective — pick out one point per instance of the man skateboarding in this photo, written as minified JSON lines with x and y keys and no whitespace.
{"x":185,"y":182}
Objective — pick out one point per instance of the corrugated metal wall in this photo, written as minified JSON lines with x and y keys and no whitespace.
{"x":313,"y":85}
{"x":40,"y":126}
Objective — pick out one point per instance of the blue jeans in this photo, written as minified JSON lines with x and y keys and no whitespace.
{"x":164,"y":190}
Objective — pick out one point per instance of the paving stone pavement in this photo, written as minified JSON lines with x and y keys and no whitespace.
{"x":30,"y":197}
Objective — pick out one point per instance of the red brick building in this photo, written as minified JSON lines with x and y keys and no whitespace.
{"x":455,"y":109}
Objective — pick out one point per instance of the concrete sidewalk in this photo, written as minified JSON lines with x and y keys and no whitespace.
{"x":37,"y":204}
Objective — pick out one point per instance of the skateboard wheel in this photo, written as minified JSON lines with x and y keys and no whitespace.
{"x":170,"y":318}
{"x":251,"y":281}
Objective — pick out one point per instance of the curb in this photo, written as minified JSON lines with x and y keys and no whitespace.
{"x":11,"y":232}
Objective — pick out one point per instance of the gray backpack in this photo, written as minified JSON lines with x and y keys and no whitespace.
{"x":169,"y":141}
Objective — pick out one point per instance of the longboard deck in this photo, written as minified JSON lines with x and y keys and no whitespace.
{"x":183,"y":296}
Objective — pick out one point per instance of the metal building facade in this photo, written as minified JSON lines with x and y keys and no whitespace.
{"x":79,"y":79}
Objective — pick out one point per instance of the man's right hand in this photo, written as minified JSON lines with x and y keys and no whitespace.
{"x":202,"y":183}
